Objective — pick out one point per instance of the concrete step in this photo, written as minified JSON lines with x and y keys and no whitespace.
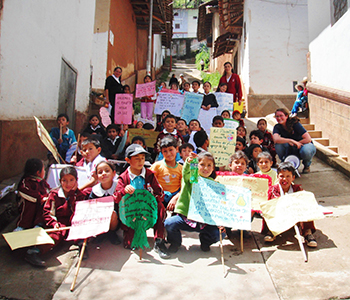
{"x":305,"y":121}
{"x":315,"y":133}
{"x":333,"y":148}
{"x":345,"y":158}
{"x":309,"y":126}
{"x":322,"y":141}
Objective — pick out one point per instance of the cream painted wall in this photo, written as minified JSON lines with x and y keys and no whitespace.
{"x":329,"y":52}
{"x":157,"y":51}
{"x":99,"y":59}
{"x":35,"y":35}
{"x":274,"y":54}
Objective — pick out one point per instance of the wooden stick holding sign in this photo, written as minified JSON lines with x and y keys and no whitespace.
{"x":78,"y":267}
{"x":296,"y":228}
{"x":76,"y":150}
{"x":242,"y":241}
{"x":222,"y":250}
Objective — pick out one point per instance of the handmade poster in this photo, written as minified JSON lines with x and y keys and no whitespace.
{"x":257,"y":184}
{"x":122,"y":143}
{"x":123,"y":108}
{"x":105,"y":119}
{"x":145,"y":89}
{"x":91,"y":218}
{"x":216,"y":204}
{"x":46,"y":139}
{"x":171,"y":102}
{"x":225,"y":101}
{"x":53,"y":175}
{"x":169,"y":91}
{"x":222,"y":144}
{"x":150,"y":136}
{"x":283,"y":213}
{"x":231,"y":123}
{"x":144,"y":121}
{"x":206,"y":118}
{"x":139,"y":211}
{"x":238,"y":107}
{"x":28,"y":237}
{"x":191,"y":107}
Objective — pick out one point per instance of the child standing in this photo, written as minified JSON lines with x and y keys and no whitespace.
{"x":265,"y":163}
{"x":242,"y":132}
{"x":62,"y":136}
{"x":138,"y":177}
{"x":236,"y":115}
{"x":186,"y":86}
{"x":95,"y":127}
{"x":286,"y":175}
{"x":33,"y":191}
{"x":195,"y":86}
{"x":208,"y":234}
{"x":225,"y":114}
{"x":209,"y":99}
{"x":268,"y":141}
{"x":58,"y":212}
{"x":147,"y":102}
{"x":159,"y":126}
{"x":106,"y":186}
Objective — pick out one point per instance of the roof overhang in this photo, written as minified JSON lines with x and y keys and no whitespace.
{"x":205,"y":16}
{"x":225,"y":43}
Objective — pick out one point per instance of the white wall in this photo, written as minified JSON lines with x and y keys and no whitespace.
{"x":277,"y":37}
{"x":35,"y":35}
{"x":329,"y":51}
{"x":192,"y":23}
{"x":319,"y":17}
{"x":99,"y":59}
{"x":157,"y":51}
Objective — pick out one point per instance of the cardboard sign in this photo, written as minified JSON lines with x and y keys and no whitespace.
{"x":191,"y":107}
{"x":169,"y":91}
{"x":283,"y":213}
{"x":216,"y":204}
{"x":171,"y":102}
{"x":238,"y":107}
{"x":231,"y":123}
{"x":28,"y":237}
{"x":225,"y":101}
{"x":222,"y":144}
{"x":145,"y":89}
{"x":123,"y":108}
{"x":91,"y":217}
{"x":150,"y":136}
{"x":139,"y":211}
{"x":206,"y":118}
{"x":53,"y":175}
{"x":257,"y":184}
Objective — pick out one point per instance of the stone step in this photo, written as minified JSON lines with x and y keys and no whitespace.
{"x":315,"y":133}
{"x":309,"y":126}
{"x":345,"y":158}
{"x":323,"y":141}
{"x":333,"y":148}
{"x":305,"y":121}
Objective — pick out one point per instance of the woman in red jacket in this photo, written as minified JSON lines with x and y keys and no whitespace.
{"x":233,"y":83}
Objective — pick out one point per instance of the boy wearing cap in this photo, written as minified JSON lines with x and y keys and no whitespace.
{"x":138,"y":177}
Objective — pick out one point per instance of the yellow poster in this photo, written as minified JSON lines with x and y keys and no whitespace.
{"x":283,"y":213}
{"x":222,"y":144}
{"x":258,"y":186}
{"x":28,"y":237}
{"x":150,"y":136}
{"x":238,"y":107}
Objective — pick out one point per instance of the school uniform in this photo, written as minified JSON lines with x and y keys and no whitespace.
{"x":110,"y":146}
{"x":68,"y":138}
{"x":99,"y":130}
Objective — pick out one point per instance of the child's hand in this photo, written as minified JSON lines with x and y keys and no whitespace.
{"x":57,"y":226}
{"x":191,"y":156}
{"x":172,"y":202}
{"x":222,"y":228}
{"x":60,"y":141}
{"x":73,"y":159}
{"x":129,"y":189}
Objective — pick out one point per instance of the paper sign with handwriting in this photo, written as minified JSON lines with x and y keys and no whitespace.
{"x":283,"y":213}
{"x":171,"y":102}
{"x":225,"y":101}
{"x":191,"y":107}
{"x":139,"y":211}
{"x":91,"y":217}
{"x":259,"y":186}
{"x":231,"y":123}
{"x":123,"y":108}
{"x":145,"y":89}
{"x":169,"y":91}
{"x":150,"y":136}
{"x":53,"y":175}
{"x":28,"y":237}
{"x":206,"y":118}
{"x":222,"y":144}
{"x":216,"y":204}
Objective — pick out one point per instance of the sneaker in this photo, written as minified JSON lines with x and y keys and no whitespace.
{"x":161,"y":249}
{"x":35,"y":260}
{"x":310,"y":241}
{"x":269,"y":238}
{"x":306,"y":170}
{"x":205,"y":248}
{"x":114,"y":238}
{"x":173,"y":248}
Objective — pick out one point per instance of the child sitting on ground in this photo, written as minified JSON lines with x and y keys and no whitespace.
{"x":240,"y":144}
{"x":107,"y":183}
{"x":182,"y":128}
{"x":225,"y":114}
{"x":238,"y":163}
{"x":168,"y":172}
{"x":194,"y":126}
{"x":139,"y":140}
{"x":268,"y":141}
{"x":202,"y":141}
{"x":242,"y":132}
{"x":159,"y":126}
{"x":236,"y":115}
{"x":95,"y":127}
{"x":111,"y":142}
{"x":62,"y":136}
{"x":185,"y":150}
{"x":265,"y":163}
{"x":256,"y":137}
{"x":138,"y":177}
{"x":300,"y":100}
{"x":208,"y":234}
{"x":253,"y":152}
{"x":73,"y":155}
{"x":286,"y":175}
{"x":218,"y":121}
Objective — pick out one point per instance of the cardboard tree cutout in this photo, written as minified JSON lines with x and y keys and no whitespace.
{"x":139,"y":211}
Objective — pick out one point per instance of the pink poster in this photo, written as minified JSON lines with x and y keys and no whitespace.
{"x":145,"y":89}
{"x":169,"y":91}
{"x":123,"y":109}
{"x":91,"y":217}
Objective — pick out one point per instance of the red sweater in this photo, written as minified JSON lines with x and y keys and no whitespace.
{"x":274,"y":191}
{"x":233,"y":86}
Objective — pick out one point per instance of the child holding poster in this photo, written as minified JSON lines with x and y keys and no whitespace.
{"x":147,"y":102}
{"x":286,"y":175}
{"x":138,"y":177}
{"x":209,"y":99}
{"x":208,"y":234}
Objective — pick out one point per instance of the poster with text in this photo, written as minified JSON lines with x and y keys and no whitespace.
{"x":222,"y":144}
{"x":171,"y":102}
{"x":145,"y":89}
{"x":225,"y":101}
{"x":123,"y":108}
{"x":191,"y":107}
{"x":150,"y":136}
{"x":206,"y":118}
{"x":231,"y":123}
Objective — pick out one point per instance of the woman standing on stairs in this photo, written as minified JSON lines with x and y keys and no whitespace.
{"x":291,"y":138}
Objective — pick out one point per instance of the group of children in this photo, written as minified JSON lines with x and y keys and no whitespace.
{"x":168,"y":179}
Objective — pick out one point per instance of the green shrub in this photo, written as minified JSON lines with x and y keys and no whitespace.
{"x":213,"y":78}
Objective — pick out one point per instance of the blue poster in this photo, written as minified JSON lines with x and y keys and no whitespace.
{"x":191,"y":107}
{"x":222,"y":205}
